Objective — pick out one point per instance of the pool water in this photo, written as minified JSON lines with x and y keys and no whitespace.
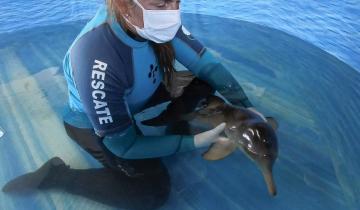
{"x":314,"y":96}
{"x":332,"y":26}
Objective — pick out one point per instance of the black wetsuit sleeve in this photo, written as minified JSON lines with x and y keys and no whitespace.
{"x":194,"y":56}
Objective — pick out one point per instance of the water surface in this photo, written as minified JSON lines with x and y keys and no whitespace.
{"x":314,"y":96}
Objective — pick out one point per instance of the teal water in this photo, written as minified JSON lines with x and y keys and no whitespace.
{"x":314,"y":96}
{"x":332,"y":26}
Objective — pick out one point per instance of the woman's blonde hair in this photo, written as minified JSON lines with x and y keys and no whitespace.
{"x":164,"y":52}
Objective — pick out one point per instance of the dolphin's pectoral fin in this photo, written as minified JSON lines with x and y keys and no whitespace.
{"x":274,"y":124}
{"x":219,"y":150}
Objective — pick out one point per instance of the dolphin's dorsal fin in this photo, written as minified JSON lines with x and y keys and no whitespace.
{"x":219,"y":150}
{"x":274,"y":124}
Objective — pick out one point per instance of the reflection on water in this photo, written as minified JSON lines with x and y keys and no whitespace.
{"x":314,"y":96}
{"x":2,"y":132}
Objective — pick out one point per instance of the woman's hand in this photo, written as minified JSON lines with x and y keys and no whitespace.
{"x":206,"y":138}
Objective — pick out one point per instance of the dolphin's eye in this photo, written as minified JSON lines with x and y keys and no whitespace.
{"x":266,"y":155}
{"x":267,"y":143}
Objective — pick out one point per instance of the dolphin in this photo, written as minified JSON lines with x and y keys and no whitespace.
{"x":245,"y":129}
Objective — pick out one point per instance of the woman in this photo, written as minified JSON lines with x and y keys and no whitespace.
{"x":123,"y":62}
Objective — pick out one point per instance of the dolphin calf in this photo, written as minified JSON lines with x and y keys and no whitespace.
{"x":245,"y":129}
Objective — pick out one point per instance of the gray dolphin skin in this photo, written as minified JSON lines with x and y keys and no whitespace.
{"x":245,"y":129}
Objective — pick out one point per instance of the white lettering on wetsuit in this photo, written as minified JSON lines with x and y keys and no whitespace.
{"x":98,"y":76}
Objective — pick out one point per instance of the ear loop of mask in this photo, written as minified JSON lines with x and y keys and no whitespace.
{"x":138,"y":3}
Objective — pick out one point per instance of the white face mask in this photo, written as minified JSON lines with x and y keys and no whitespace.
{"x":160,"y":26}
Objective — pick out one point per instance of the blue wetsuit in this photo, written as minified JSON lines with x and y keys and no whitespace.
{"x":111,"y":76}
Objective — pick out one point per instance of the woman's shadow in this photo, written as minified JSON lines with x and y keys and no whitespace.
{"x":103,"y":185}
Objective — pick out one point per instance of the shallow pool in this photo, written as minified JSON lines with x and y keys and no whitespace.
{"x":314,"y":96}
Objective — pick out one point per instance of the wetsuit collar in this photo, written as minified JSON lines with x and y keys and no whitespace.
{"x":125,"y":37}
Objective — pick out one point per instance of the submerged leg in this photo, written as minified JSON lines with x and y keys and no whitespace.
{"x":102,"y":185}
{"x":90,"y":142}
{"x":28,"y":182}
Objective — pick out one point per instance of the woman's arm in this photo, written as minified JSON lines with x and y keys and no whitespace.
{"x":130,"y":145}
{"x":194,"y":56}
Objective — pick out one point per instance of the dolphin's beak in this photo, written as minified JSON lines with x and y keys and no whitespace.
{"x":267,"y":173}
